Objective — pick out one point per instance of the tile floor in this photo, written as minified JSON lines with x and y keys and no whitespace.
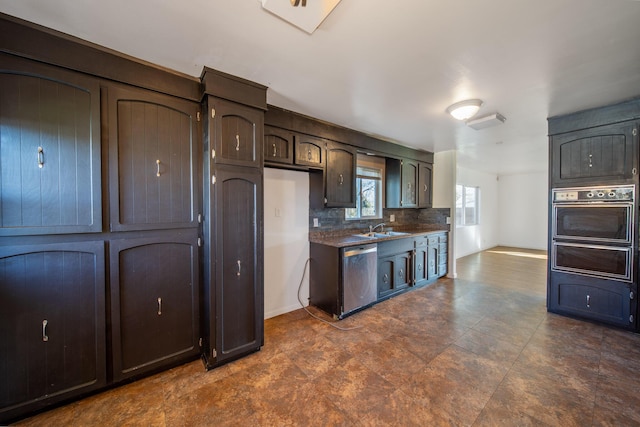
{"x":480,"y":350}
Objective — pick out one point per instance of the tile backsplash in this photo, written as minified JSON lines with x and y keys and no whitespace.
{"x":332,"y":219}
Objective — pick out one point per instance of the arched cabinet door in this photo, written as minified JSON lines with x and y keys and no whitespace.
{"x":153,"y":158}
{"x":154,"y":301}
{"x":238,"y":262}
{"x":49,"y":150}
{"x":236,"y":132}
{"x":52,"y":324}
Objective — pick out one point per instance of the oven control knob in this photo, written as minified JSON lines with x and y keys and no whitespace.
{"x":589,"y":195}
{"x":600,"y":194}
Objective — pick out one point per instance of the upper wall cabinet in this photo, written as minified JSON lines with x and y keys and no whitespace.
{"x":153,"y":153}
{"x":236,"y":132}
{"x":49,"y":150}
{"x":340,"y":185}
{"x":278,"y":146}
{"x":401,"y":183}
{"x":425,"y":193}
{"x":310,"y":151}
{"x":596,"y":155}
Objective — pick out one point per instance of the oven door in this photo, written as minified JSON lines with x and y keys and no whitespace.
{"x":596,"y":222}
{"x":609,"y":262}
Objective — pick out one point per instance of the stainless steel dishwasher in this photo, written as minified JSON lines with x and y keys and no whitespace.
{"x":359,"y":277}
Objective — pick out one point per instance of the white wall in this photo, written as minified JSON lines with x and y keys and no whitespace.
{"x":286,"y":240}
{"x":523,"y":210}
{"x":475,"y":238}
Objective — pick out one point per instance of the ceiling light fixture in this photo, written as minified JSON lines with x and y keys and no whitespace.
{"x":464,"y":110}
{"x":302,"y":3}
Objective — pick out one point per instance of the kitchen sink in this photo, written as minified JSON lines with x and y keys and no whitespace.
{"x":381,"y":235}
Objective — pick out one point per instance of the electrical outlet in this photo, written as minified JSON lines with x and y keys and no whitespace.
{"x":392,"y":218}
{"x":316,"y":222}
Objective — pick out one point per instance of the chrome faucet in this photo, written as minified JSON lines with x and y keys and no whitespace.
{"x":373,"y":227}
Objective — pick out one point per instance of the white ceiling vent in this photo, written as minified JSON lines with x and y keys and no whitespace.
{"x":307,"y":18}
{"x":486,"y":121}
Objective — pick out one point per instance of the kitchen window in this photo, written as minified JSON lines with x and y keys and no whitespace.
{"x":369,"y":176}
{"x":467,"y":205}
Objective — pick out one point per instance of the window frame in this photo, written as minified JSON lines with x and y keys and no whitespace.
{"x":461,"y":211}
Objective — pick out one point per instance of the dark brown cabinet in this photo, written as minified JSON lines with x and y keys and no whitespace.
{"x":607,"y":301}
{"x":52,"y":324}
{"x":50,"y":174}
{"x":236,"y":132}
{"x":425,"y":192}
{"x":310,"y":151}
{"x":431,"y":257}
{"x":596,"y":155}
{"x":238,"y":252}
{"x":154,"y":301}
{"x":340,"y":176}
{"x":153,"y":154}
{"x":401,"y":183}
{"x":395,"y":260}
{"x":278,"y":146}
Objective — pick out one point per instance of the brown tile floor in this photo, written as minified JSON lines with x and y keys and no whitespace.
{"x":480,"y":350}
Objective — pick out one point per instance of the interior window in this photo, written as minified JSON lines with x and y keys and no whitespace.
{"x":369,"y":185}
{"x":467,"y":205}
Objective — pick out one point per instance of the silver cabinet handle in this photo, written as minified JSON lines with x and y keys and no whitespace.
{"x":309,"y":154}
{"x":401,"y":273}
{"x":40,"y":157}
{"x":340,"y":179}
{"x":239,"y":268}
{"x":237,"y":142}
{"x":45,"y":338}
{"x":590,"y":160}
{"x":159,"y":306}
{"x":425,"y":188}
{"x":419,"y":267}
{"x":158,"y":167}
{"x":385,"y":278}
{"x":274,"y":150}
{"x":588,"y":301}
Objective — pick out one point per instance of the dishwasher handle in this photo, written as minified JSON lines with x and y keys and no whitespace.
{"x":360,"y":251}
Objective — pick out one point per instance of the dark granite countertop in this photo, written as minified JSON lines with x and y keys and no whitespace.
{"x":346,"y":238}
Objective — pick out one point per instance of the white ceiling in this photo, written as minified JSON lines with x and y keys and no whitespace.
{"x":391,"y":68}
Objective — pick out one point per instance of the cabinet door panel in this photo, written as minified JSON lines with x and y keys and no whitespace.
{"x":424,"y":185}
{"x":49,"y":150}
{"x":239,"y":281}
{"x":340,"y":176}
{"x":237,"y":132}
{"x":52,"y":339}
{"x":309,"y":151}
{"x":385,"y":276}
{"x":154,"y":284}
{"x":153,"y":149}
{"x":421,"y":264}
{"x":278,"y":146}
{"x":409,"y":181}
{"x":597,"y":155}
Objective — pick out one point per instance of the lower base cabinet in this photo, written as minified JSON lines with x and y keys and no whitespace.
{"x":52,"y":327}
{"x":395,"y":259}
{"x":601,"y":300}
{"x":154,"y":302}
{"x":431,"y":257}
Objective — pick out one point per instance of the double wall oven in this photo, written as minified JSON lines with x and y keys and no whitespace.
{"x":593,"y":231}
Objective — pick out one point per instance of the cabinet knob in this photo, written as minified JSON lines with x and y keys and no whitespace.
{"x":239,"y":268}
{"x":588,"y":301}
{"x":309,"y":154}
{"x":401,"y":273}
{"x":275,"y":154}
{"x":159,"y":306}
{"x":419,"y":267}
{"x":158,"y":167}
{"x":385,"y":278}
{"x":237,"y":142}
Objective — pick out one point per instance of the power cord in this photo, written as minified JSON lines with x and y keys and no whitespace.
{"x":304,"y":272}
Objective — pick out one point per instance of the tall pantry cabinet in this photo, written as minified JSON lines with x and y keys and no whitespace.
{"x":233,"y":217}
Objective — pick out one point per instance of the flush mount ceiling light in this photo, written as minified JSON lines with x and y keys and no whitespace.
{"x":302,"y":3}
{"x":486,"y":121}
{"x":464,"y":110}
